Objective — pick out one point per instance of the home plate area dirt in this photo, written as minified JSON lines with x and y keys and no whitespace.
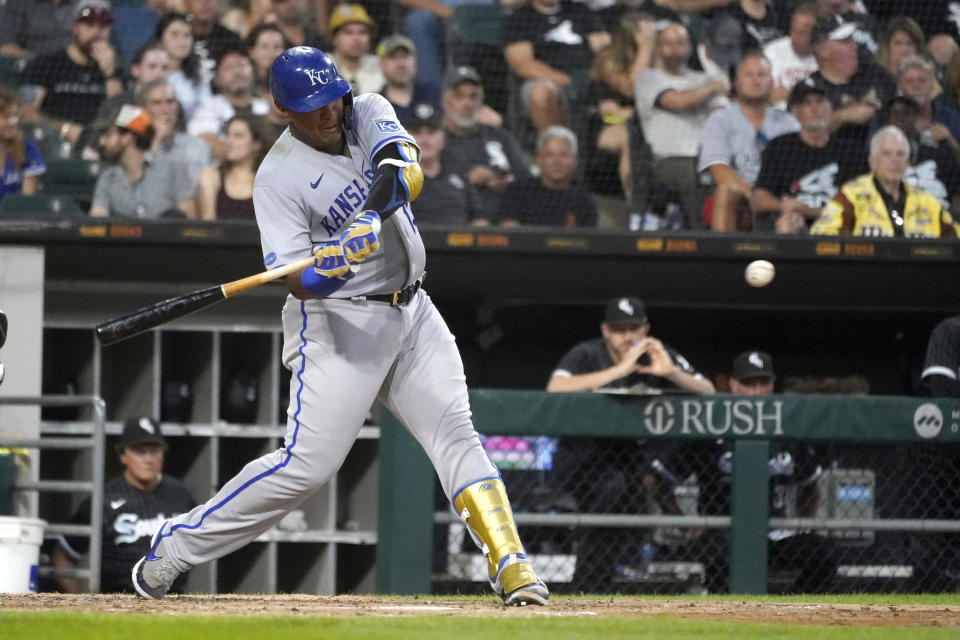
{"x":346,"y":605}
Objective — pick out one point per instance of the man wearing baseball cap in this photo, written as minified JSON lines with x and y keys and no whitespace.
{"x":139,"y":184}
{"x":626,"y":359}
{"x":793,"y":469}
{"x":352,"y":30}
{"x":445,"y":197}
{"x":488,"y":157}
{"x":800,"y":172}
{"x":856,"y":85}
{"x":752,"y":374}
{"x":135,"y":504}
{"x":402,"y":86}
{"x":74,"y":81}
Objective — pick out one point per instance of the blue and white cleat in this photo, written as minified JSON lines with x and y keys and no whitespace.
{"x":154,"y":573}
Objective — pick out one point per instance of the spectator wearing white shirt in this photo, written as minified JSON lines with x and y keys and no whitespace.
{"x":673,"y":103}
{"x":791,"y":57}
{"x":235,"y":84}
{"x":734,"y":138}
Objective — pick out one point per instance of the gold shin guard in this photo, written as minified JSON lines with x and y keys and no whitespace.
{"x":484,"y":507}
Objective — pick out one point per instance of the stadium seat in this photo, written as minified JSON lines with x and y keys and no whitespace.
{"x":477,"y":24}
{"x":52,"y":146}
{"x":74,"y":178}
{"x":42,"y":207}
{"x":10,"y":70}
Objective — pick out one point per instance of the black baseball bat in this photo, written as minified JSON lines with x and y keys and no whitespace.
{"x":145,"y":318}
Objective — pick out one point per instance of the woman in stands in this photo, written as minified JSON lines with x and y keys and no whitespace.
{"x":263,"y":45}
{"x":20,"y":158}
{"x":226,"y":192}
{"x":189,"y":80}
{"x":614,"y":68}
{"x":901,"y":37}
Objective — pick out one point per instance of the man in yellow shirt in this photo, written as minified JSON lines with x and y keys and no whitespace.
{"x":880,"y":204}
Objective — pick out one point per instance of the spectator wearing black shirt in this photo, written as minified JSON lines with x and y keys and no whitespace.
{"x":550,"y":200}
{"x":856,"y":86}
{"x":135,"y":504}
{"x":941,"y":368}
{"x":489,"y":158}
{"x":759,"y":21}
{"x":398,"y":62}
{"x":210,"y":38}
{"x":73,"y":82}
{"x":550,"y":44}
{"x":933,"y":168}
{"x":626,"y":358}
{"x":793,"y":470}
{"x":445,"y":198}
{"x":800,"y":172}
{"x":852,"y":11}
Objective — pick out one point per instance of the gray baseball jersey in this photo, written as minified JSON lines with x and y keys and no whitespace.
{"x":303,"y":196}
{"x":343,"y":354}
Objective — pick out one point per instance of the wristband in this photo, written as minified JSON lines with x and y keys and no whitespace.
{"x":318,"y":285}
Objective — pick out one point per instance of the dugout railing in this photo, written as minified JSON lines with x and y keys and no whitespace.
{"x":884,"y":503}
{"x":95,"y":443}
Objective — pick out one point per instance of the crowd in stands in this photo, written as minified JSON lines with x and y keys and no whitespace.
{"x":731,"y":115}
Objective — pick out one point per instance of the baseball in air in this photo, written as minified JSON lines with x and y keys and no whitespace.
{"x":759,"y":273}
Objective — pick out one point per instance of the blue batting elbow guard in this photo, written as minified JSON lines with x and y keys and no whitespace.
{"x":321,"y":286}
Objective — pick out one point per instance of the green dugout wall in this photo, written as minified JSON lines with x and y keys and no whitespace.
{"x":752,"y":423}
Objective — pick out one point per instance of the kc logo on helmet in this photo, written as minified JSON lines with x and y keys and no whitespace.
{"x":928,"y":420}
{"x":318,"y":76}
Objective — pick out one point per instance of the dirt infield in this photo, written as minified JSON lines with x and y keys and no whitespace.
{"x":303,"y":605}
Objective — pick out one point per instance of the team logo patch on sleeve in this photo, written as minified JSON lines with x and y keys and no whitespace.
{"x":269,"y":259}
{"x":387,"y":126}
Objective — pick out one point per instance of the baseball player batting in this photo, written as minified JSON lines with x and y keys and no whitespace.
{"x":358,"y":327}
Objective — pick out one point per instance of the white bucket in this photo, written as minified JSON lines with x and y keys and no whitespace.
{"x":20,"y":540}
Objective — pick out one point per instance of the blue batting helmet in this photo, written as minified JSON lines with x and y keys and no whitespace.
{"x":303,"y":79}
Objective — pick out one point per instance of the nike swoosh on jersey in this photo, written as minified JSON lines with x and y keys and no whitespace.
{"x":314,"y":185}
{"x":116,"y":504}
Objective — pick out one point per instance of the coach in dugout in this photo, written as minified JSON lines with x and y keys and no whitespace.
{"x":941,"y":367}
{"x":135,"y":504}
{"x":627,"y":358}
{"x":620,"y":476}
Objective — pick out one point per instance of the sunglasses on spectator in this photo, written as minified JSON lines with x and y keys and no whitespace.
{"x":95,"y":14}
